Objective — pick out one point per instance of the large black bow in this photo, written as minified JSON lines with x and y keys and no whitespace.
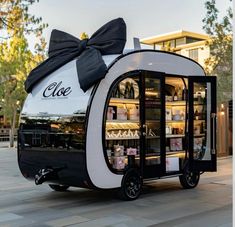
{"x":63,"y":47}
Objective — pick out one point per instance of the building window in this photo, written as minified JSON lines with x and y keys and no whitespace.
{"x":192,"y":40}
{"x":180,"y":41}
{"x":193,"y":54}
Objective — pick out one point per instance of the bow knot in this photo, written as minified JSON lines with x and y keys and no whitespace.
{"x":63,"y":47}
{"x":82,"y":45}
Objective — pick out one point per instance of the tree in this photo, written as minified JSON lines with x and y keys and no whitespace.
{"x":220,"y":61}
{"x":16,"y":60}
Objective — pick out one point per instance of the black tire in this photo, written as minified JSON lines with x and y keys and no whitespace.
{"x":189,"y":179}
{"x":59,"y":187}
{"x":131,"y":186}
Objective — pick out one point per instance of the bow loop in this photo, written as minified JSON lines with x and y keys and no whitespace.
{"x":61,"y":42}
{"x":63,"y":47}
{"x":110,"y":38}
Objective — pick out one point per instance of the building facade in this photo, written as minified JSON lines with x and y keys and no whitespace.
{"x":188,"y":44}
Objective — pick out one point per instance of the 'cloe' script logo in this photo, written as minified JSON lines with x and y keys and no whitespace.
{"x":56,"y":90}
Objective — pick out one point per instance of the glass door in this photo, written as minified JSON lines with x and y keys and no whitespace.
{"x":152,"y":128}
{"x":202,"y":123}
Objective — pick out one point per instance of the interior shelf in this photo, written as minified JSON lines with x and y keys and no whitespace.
{"x":125,"y":101}
{"x":176,"y":103}
{"x":153,"y":137}
{"x":175,"y":135}
{"x":121,"y":121}
{"x":132,"y":138}
{"x":173,"y":121}
{"x":175,"y":152}
{"x":157,"y":155}
{"x":123,"y":138}
{"x":182,"y":103}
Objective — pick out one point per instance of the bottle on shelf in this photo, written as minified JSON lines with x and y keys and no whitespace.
{"x":196,"y":115}
{"x":127,"y":91}
{"x":201,"y":128}
{"x":122,"y":95}
{"x":175,"y":96}
{"x":180,"y":94}
{"x":184,"y":94}
{"x":117,"y":93}
{"x":203,"y":114}
{"x":132,"y":92}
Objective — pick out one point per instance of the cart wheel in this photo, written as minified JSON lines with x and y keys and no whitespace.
{"x":59,"y":187}
{"x":131,"y":185}
{"x":189,"y":179}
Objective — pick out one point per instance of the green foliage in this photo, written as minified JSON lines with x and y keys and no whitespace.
{"x":15,"y":17}
{"x":220,"y":61}
{"x":16,"y":60}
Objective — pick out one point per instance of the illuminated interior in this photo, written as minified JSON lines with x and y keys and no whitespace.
{"x":123,"y":127}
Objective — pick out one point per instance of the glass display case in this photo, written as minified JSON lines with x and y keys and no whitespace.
{"x":122,"y":127}
{"x":147,"y":124}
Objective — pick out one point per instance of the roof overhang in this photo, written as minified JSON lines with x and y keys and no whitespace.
{"x":173,"y":35}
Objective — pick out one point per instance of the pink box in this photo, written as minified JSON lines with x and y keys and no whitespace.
{"x":121,"y":114}
{"x":119,"y":162}
{"x":131,"y":151}
{"x":176,"y":144}
{"x":134,"y":114}
{"x":110,"y":113}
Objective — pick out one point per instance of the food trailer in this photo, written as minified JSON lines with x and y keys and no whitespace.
{"x":152,"y":116}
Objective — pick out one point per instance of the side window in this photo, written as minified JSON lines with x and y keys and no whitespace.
{"x":176,"y":122}
{"x":122,"y":124}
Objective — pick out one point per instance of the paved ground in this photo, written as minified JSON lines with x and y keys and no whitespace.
{"x":162,"y":204}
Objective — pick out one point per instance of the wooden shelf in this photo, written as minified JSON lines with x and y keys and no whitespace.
{"x":182,"y":121}
{"x":153,"y":137}
{"x":121,"y":121}
{"x":182,"y":103}
{"x":175,"y":152}
{"x":132,"y":138}
{"x":175,"y":135}
{"x":173,"y":121}
{"x":124,"y":101}
{"x":180,"y":154}
{"x":176,"y":103}
{"x":123,"y":138}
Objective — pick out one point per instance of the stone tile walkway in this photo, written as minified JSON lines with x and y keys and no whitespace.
{"x":163,"y":203}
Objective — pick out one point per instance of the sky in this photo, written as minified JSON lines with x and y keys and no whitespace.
{"x":143,"y":18}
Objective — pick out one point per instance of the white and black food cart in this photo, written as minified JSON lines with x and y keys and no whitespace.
{"x":148,"y":115}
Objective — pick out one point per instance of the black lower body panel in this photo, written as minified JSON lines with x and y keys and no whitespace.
{"x":69,"y":167}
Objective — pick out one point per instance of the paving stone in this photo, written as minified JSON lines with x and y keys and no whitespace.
{"x":163,"y":202}
{"x":67,"y":221}
{"x":8,"y":217}
{"x":104,"y":221}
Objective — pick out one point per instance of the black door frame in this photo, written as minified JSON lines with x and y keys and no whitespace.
{"x":202,"y":165}
{"x":157,"y":170}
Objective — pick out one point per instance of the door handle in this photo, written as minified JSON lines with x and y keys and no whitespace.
{"x":144,"y":133}
{"x":213,"y":116}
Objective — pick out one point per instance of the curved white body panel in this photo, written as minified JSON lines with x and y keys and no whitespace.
{"x":98,"y":171}
{"x":65,"y":77}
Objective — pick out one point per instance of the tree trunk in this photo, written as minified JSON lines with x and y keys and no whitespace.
{"x":12,"y":131}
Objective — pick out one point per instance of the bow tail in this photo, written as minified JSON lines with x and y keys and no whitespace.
{"x":90,"y":68}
